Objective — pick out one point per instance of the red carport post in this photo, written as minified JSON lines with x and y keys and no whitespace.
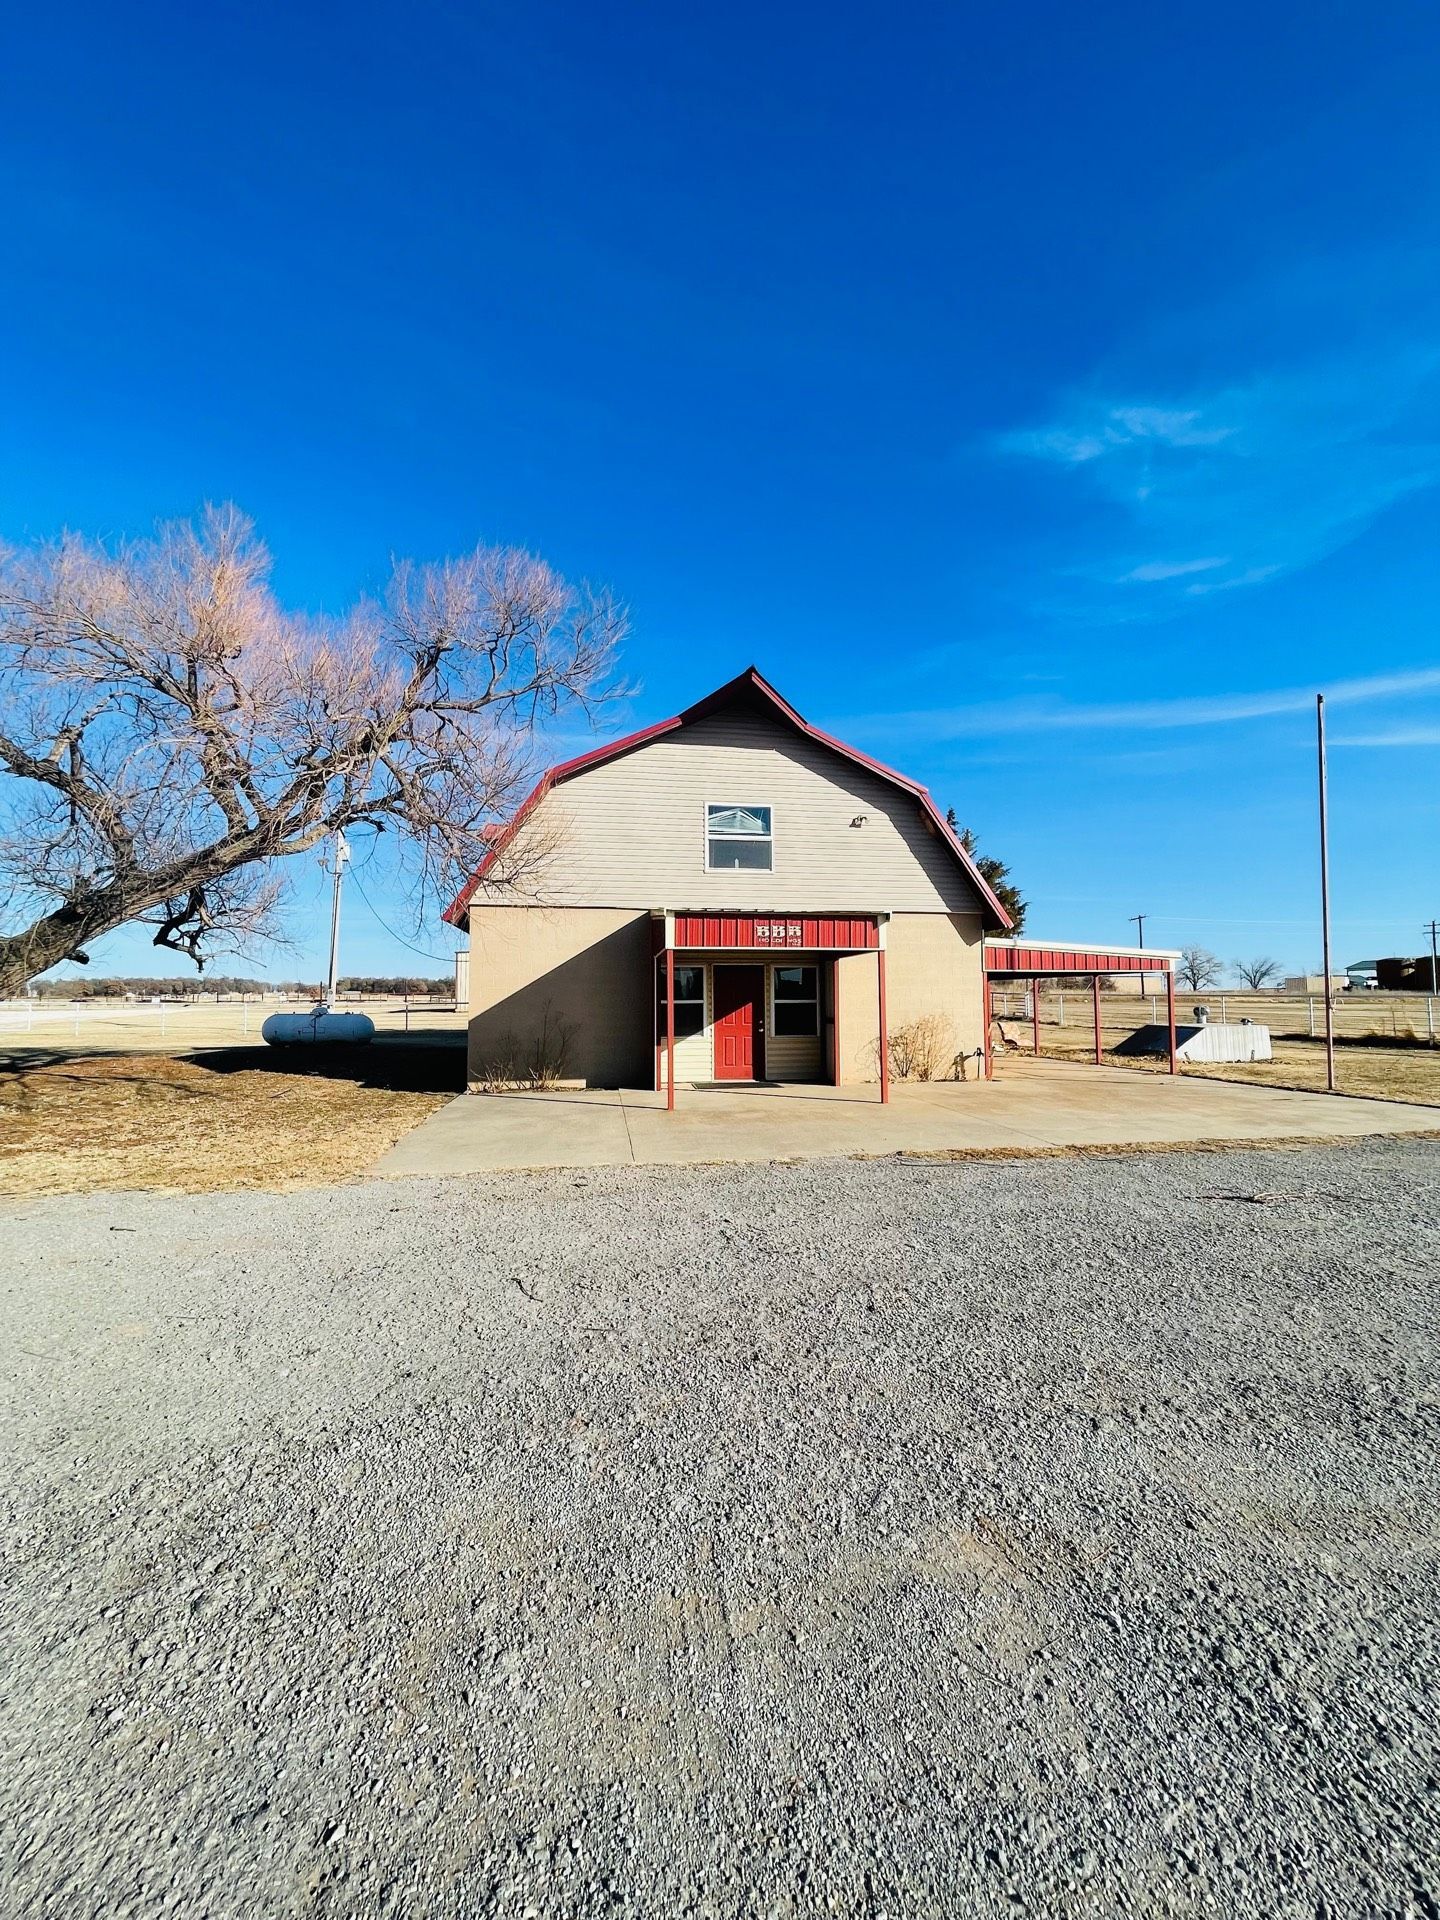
{"x":1170,"y":1015}
{"x":670,"y":1029}
{"x":1035,"y":1017}
{"x":986,"y":1048}
{"x":1095,"y":989}
{"x":884,"y":1031}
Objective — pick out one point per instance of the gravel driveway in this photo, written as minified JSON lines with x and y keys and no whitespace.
{"x":886,"y":1538}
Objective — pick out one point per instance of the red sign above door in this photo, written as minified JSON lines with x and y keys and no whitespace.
{"x":845,"y":933}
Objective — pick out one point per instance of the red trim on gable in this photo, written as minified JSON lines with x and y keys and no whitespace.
{"x":749,"y":682}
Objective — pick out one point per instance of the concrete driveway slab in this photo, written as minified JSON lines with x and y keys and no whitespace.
{"x":1035,"y":1105}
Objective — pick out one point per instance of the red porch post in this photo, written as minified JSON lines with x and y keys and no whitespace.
{"x":1170,"y":1015}
{"x":884,"y":1030}
{"x":670,"y":1029}
{"x":986,"y":1048}
{"x":835,"y":1020}
{"x":1035,"y":1017}
{"x":1095,"y":989}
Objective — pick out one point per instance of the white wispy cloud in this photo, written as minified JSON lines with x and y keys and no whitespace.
{"x":1259,"y":475}
{"x":1397,"y":737}
{"x":1172,"y":569}
{"x":1117,"y":429}
{"x":1200,"y":710}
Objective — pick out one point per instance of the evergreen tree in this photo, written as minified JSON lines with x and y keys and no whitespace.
{"x":993,"y":872}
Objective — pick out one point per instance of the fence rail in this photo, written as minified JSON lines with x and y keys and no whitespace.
{"x":1401,"y":1016}
{"x":164,"y":1024}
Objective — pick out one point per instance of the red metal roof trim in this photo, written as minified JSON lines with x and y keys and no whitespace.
{"x":1057,"y":961}
{"x":752,"y":682}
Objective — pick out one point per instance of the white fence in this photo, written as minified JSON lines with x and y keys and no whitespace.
{"x":163,"y":1024}
{"x":1401,"y":1016}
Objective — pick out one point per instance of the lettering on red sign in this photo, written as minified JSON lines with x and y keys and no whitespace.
{"x":779,"y":933}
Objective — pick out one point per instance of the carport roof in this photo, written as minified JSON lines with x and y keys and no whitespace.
{"x":1051,"y":957}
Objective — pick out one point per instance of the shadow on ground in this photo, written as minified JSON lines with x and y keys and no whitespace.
{"x":397,"y":1062}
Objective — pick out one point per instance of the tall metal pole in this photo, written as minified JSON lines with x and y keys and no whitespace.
{"x":1325,"y":896}
{"x":1434,"y":927}
{"x":342,"y":854}
{"x":1139,"y":920}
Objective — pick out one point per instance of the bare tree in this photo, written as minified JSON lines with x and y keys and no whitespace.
{"x":1199,"y":968}
{"x":169,"y":731}
{"x":1257,"y":973}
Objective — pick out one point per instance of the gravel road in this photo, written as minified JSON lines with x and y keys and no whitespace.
{"x":878,"y":1538}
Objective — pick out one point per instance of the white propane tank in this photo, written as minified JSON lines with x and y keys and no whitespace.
{"x":320,"y":1028}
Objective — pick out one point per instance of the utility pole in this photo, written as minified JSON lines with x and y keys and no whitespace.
{"x":1325,"y":895}
{"x":1139,"y":920}
{"x":342,"y":854}
{"x":1432,"y":929}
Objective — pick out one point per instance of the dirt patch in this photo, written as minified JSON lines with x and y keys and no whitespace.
{"x":116,"y":1122}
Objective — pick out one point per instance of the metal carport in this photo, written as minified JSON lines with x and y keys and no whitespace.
{"x":1036,"y":960}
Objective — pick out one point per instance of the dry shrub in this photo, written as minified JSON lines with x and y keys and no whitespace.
{"x":923,"y":1049}
{"x":540,"y":1062}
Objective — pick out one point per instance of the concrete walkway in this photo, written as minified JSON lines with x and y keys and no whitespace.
{"x":1035,"y":1106}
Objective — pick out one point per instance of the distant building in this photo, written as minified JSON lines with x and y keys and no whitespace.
{"x":1397,"y":975}
{"x":1362,"y":975}
{"x":1315,"y":982}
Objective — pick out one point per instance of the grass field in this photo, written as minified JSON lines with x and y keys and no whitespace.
{"x":1410,"y":1073}
{"x":1357,"y":1015}
{"x":212,"y":1122}
{"x":106,"y":1028}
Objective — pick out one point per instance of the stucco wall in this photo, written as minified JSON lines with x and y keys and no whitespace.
{"x":592,"y":967}
{"x":932,"y":966}
{"x":589,"y":966}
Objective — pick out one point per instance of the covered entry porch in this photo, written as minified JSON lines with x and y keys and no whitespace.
{"x":747,"y":998}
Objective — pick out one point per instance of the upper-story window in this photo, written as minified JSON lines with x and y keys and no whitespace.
{"x":738,"y":838}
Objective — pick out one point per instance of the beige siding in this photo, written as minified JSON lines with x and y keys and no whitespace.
{"x":631,"y":832}
{"x":792,"y":1057}
{"x":591,"y":968}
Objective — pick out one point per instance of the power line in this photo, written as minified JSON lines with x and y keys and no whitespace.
{"x":445,"y":959}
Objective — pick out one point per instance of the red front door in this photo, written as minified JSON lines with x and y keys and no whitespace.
{"x":739,"y":996}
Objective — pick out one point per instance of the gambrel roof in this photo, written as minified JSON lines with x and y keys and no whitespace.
{"x":749,"y":688}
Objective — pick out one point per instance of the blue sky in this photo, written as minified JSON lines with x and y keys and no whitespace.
{"x":1046,"y":399}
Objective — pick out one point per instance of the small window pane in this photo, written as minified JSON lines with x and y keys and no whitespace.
{"x":795,"y":983}
{"x":749,"y":855}
{"x":747,"y":820}
{"x":689,"y":1000}
{"x":793,"y":1017}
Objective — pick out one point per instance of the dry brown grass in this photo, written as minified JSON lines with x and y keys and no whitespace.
{"x":149,"y":1121}
{"x":1411,"y":1074}
{"x":1378,"y":1072}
